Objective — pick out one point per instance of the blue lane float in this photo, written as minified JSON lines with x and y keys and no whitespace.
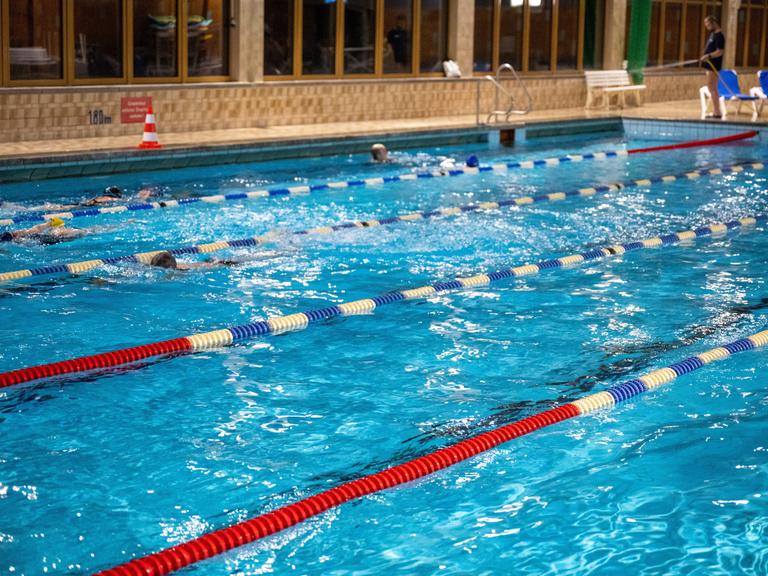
{"x":301,"y":320}
{"x":216,"y":245}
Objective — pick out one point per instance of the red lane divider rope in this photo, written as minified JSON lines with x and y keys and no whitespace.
{"x":225,"y":539}
{"x":697,"y":143}
{"x":218,"y":542}
{"x":95,"y":361}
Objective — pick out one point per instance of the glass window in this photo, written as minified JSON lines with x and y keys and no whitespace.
{"x":653,"y":37}
{"x":567,"y":34}
{"x":540,"y":36}
{"x":36,"y":40}
{"x":483,"y":46}
{"x":98,"y":39}
{"x":207,"y":37}
{"x":715,"y":9}
{"x":155,"y":38}
{"x":398,"y":31}
{"x":319,"y":37}
{"x":673,"y":19}
{"x":594,"y":26}
{"x":755,"y":36}
{"x":741,"y":33}
{"x":511,"y":34}
{"x":626,"y":29}
{"x":434,"y":35}
{"x":278,"y":37}
{"x":694,"y":24}
{"x":359,"y":36}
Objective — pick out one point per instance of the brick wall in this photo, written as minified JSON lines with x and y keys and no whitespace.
{"x":56,"y":113}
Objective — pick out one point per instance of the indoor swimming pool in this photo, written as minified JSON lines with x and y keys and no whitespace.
{"x":98,"y":467}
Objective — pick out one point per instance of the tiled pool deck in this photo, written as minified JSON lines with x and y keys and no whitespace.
{"x":51,"y":158}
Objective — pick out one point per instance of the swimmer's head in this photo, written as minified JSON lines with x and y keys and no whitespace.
{"x":472,"y":161}
{"x":163,"y":260}
{"x":55,"y":222}
{"x":113,"y":192}
{"x":379,"y":153}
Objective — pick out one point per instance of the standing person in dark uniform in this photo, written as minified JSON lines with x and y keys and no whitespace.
{"x":712,"y":61}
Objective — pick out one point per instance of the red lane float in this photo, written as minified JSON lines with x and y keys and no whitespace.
{"x":697,"y":143}
{"x":95,"y":361}
{"x":125,"y":356}
{"x":220,"y":541}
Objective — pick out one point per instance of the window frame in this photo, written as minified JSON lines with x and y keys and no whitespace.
{"x":749,"y":10}
{"x":526,"y":53}
{"x":183,"y":54}
{"x":5,"y":37}
{"x":378,"y":65}
{"x":706,"y":6}
{"x":69,"y":46}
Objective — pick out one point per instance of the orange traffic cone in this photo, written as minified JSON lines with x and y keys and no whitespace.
{"x":149,"y":139}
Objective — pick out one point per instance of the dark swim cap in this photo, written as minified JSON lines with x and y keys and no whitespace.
{"x":113,"y":191}
{"x":163,"y":260}
{"x":6,"y":237}
{"x":472,"y":161}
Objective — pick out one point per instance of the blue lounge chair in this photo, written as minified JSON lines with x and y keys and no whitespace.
{"x":728,"y":87}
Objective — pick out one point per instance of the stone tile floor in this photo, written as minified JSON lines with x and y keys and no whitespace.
{"x":683,"y":110}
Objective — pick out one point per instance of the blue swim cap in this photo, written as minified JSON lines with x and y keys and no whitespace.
{"x":472,"y":161}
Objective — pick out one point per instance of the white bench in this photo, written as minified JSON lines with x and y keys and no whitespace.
{"x":603,"y":85}
{"x":32,"y":56}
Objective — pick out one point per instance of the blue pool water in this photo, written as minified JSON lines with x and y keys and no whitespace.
{"x":96,"y":470}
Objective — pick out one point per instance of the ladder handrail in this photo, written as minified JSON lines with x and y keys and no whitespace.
{"x":499,"y":88}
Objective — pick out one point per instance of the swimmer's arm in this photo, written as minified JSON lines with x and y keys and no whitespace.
{"x":48,"y":207}
{"x":186,"y":266}
{"x":36,"y":229}
{"x":104,"y":227}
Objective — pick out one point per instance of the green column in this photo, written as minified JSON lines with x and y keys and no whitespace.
{"x":639,"y":32}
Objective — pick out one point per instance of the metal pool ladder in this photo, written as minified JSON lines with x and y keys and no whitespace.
{"x":500,"y":90}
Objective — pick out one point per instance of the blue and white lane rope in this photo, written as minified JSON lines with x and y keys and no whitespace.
{"x":301,"y":320}
{"x":294,"y":190}
{"x":244,"y":532}
{"x":206,"y":248}
{"x":308,"y":189}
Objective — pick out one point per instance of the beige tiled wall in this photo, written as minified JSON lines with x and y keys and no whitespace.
{"x":664,"y":88}
{"x":55,"y":113}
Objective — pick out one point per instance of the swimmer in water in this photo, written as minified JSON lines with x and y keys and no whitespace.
{"x":379,"y":153}
{"x":110,"y":195}
{"x":167,"y":260}
{"x":449,"y":164}
{"x":51,"y":232}
{"x":146,"y":194}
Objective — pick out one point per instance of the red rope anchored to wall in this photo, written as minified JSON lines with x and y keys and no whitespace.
{"x":697,"y":143}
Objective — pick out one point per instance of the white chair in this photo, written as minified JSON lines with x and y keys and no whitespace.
{"x":761,"y":91}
